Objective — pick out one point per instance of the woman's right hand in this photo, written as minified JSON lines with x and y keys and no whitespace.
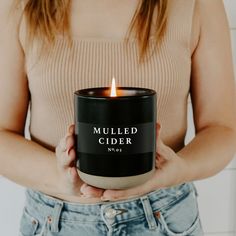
{"x":69,"y":180}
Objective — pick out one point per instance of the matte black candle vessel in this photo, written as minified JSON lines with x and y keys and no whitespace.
{"x":115,"y":136}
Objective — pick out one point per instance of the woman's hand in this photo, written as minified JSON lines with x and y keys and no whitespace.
{"x":69,"y":180}
{"x":170,"y":170}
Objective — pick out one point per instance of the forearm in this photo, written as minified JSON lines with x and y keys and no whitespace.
{"x":27,"y":163}
{"x":209,"y":152}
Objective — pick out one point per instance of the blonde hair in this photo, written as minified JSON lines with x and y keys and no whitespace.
{"x":47,"y":18}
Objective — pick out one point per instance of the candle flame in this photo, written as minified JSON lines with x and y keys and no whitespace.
{"x":113,"y":88}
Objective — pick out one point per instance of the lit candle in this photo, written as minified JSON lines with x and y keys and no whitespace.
{"x":115,"y":130}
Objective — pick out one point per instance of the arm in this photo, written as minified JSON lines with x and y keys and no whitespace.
{"x":20,"y":160}
{"x":213,"y":95}
{"x":23,"y":161}
{"x":214,"y":107}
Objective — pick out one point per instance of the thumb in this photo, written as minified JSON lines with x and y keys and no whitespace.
{"x":73,"y":175}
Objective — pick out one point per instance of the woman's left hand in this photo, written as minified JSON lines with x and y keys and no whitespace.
{"x":170,"y":170}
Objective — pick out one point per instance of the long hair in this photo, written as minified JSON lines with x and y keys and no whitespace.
{"x":47,"y":18}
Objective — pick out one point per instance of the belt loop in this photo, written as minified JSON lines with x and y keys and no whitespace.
{"x":148,"y":212}
{"x":55,"y":218}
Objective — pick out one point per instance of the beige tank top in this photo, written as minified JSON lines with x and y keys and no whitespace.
{"x":92,"y":62}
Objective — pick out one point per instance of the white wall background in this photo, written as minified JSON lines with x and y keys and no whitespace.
{"x":217,"y":195}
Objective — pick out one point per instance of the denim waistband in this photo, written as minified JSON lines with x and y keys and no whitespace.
{"x":43,"y":204}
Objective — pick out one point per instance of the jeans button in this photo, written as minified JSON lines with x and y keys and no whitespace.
{"x":110,"y":213}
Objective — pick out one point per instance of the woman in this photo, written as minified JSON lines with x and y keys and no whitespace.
{"x":52,"y":48}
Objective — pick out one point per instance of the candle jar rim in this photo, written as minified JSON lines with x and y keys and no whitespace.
{"x":91,"y":93}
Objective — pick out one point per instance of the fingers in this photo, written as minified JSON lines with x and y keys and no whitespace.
{"x":61,"y":147}
{"x":65,"y":151}
{"x":159,"y":162}
{"x":73,"y":175}
{"x":90,"y":191}
{"x":70,"y":142}
{"x":158,"y":129}
{"x":65,"y":158}
{"x":69,"y":139}
{"x":163,"y":150}
{"x":126,"y":193}
{"x":71,"y":129}
{"x":66,"y":163}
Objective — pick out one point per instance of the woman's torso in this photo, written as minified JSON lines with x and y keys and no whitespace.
{"x":97,"y":54}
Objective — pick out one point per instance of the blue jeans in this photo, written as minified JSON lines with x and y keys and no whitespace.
{"x":171,"y":212}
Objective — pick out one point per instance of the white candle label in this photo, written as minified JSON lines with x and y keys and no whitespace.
{"x":116,"y":139}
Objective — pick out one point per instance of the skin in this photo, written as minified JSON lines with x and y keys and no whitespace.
{"x":213,"y":98}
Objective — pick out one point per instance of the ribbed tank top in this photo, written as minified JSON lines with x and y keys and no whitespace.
{"x":92,"y":62}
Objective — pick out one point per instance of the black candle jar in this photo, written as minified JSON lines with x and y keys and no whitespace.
{"x":115,"y":136}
